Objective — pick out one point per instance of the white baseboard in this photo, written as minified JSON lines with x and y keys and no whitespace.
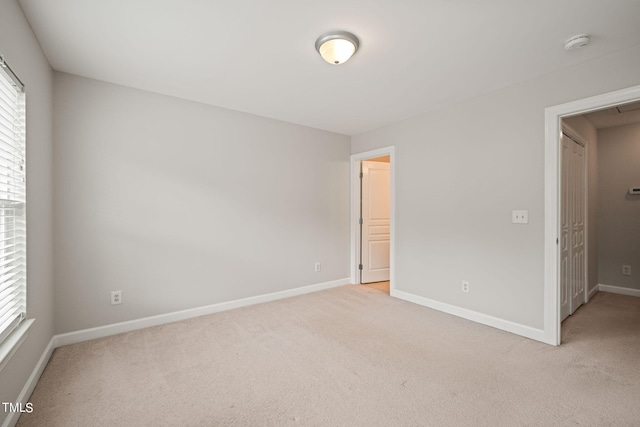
{"x":593,"y":291}
{"x":145,"y":322}
{"x":619,"y":290}
{"x":25,"y":394}
{"x":474,"y":316}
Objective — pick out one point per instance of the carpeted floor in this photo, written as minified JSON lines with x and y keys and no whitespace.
{"x":349,"y":356}
{"x":380,"y":286}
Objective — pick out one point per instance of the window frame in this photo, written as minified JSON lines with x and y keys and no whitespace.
{"x":13,"y":226}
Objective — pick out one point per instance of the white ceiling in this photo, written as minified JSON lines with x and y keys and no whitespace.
{"x":258,"y":56}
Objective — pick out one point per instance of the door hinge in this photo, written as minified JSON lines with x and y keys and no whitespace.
{"x":361,"y":175}
{"x":359,"y":266}
{"x":557,"y":241}
{"x":360,"y":221}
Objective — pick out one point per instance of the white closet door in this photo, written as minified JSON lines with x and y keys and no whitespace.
{"x":572,"y":227}
{"x":577,"y":226}
{"x":565,"y":248}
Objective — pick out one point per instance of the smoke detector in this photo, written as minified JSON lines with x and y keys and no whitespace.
{"x":576,"y":42}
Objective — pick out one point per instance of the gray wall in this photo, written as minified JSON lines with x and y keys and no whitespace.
{"x":462,"y":169}
{"x":619,"y":212}
{"x":181,"y":205}
{"x":589,"y":135}
{"x":22,"y":51}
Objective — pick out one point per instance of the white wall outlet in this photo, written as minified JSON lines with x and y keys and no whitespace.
{"x":116,"y":297}
{"x":626,"y":270}
{"x":520,"y":217}
{"x":465,"y":286}
{"x":317,"y":267}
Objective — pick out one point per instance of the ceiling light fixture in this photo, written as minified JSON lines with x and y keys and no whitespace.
{"x":337,"y":47}
{"x":576,"y":42}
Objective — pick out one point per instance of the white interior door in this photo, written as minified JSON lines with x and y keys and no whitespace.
{"x":375,"y":212}
{"x":572,"y":227}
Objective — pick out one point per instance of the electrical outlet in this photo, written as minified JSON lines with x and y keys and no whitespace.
{"x":626,"y":270}
{"x":465,"y":286}
{"x":116,"y":297}
{"x":317,"y":267}
{"x":520,"y":217}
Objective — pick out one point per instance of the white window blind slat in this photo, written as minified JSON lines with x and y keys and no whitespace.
{"x":9,"y":318}
{"x":6,"y":104}
{"x":8,"y":301}
{"x":9,"y":283}
{"x":9,"y":305}
{"x":7,"y":234}
{"x":6,"y":293}
{"x":6,"y":109}
{"x":6,"y":127}
{"x":11,"y":245}
{"x":8,"y":88}
{"x":7,"y":92}
{"x":17,"y":257}
{"x":8,"y":150}
{"x":12,"y":202}
{"x":11,"y":276}
{"x":10,"y":269}
{"x":11,"y":266}
{"x":7,"y":112}
{"x":10,"y":324}
{"x":7,"y":134}
{"x":12,"y":312}
{"x":6,"y":240}
{"x":7,"y":194}
{"x":9,"y":158}
{"x":8,"y":166}
{"x":13,"y":186}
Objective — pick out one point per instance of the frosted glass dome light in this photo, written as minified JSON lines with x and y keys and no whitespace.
{"x":337,"y":47}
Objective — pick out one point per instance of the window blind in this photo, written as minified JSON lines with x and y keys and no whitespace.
{"x":13,"y":265}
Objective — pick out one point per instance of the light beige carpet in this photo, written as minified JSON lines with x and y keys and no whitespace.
{"x":349,"y":356}
{"x":380,"y":286}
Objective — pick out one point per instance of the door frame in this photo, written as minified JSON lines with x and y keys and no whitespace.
{"x":552,"y":148}
{"x":354,"y":173}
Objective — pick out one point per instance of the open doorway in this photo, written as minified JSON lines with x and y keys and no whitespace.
{"x":374,"y":222}
{"x":556,"y":143}
{"x":609,"y":221}
{"x":372,"y":219}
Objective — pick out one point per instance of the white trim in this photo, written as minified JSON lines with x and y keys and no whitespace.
{"x":30,"y":385}
{"x":161,"y":319}
{"x":552,"y":181}
{"x":592,"y":292}
{"x":9,"y":346}
{"x":474,"y":316}
{"x":619,"y":290}
{"x":354,"y":211}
